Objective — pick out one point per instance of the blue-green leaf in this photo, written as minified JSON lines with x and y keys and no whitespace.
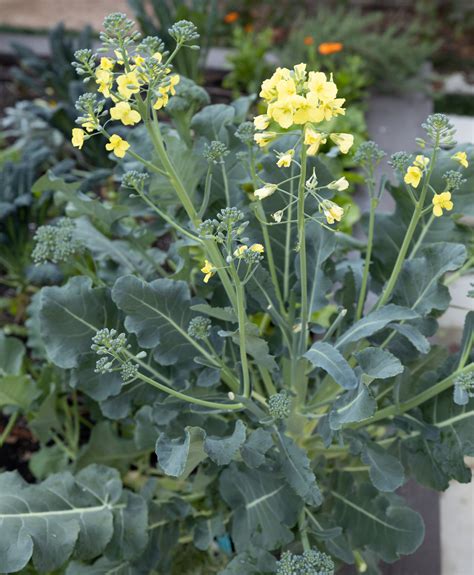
{"x":378,"y":363}
{"x":374,"y":322}
{"x":385,"y":471}
{"x":354,"y":405}
{"x":222,"y":449}
{"x":328,"y":358}
{"x":178,"y":457}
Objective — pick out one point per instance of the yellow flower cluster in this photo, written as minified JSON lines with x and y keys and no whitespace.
{"x":127,"y":83}
{"x":209,"y":268}
{"x":298,"y":98}
{"x":415,"y":172}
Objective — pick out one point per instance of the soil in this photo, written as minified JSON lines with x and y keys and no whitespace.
{"x":16,"y":452}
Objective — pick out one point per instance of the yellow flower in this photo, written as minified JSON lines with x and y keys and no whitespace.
{"x":139,"y":60}
{"x":239,"y":252}
{"x":442,"y":202}
{"x":461,"y":157}
{"x":261,"y":122}
{"x":343,"y":141}
{"x":106,"y":63}
{"x":104,"y":79}
{"x":332,"y":211}
{"x":127,"y":84}
{"x":265,"y":191}
{"x":284,"y":160}
{"x":320,"y":87}
{"x":90,"y":124}
{"x":158,"y":56}
{"x":313,"y":139}
{"x":77,"y":137}
{"x":117,"y":145}
{"x":208,"y":270}
{"x":161,"y":102}
{"x":413,"y":176}
{"x":300,"y":72}
{"x":174,"y":81}
{"x":333,"y":108}
{"x":264,"y":138}
{"x":282,"y":112}
{"x":123,"y":112}
{"x":421,"y":162}
{"x":340,"y":185}
{"x":257,"y":248}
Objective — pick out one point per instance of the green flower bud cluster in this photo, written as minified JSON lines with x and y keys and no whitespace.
{"x":464,"y":388}
{"x":454,"y":180}
{"x":245,"y":133}
{"x":129,"y":371}
{"x":84,"y":63}
{"x":400,"y":161}
{"x":183,"y":32}
{"x":109,"y":341}
{"x":151,"y":45}
{"x":118,"y":30}
{"x":56,"y":243}
{"x":89,"y":107}
{"x":215,"y":152}
{"x":113,"y":347}
{"x":252,"y":257}
{"x":199,"y":327}
{"x":226,"y":226}
{"x":440,"y":130}
{"x":279,"y":405}
{"x":311,"y":562}
{"x":135,"y":180}
{"x":369,"y":155}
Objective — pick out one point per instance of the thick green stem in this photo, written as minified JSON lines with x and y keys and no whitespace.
{"x":368,"y":257}
{"x":421,"y":237}
{"x":302,"y":253}
{"x":8,"y":427}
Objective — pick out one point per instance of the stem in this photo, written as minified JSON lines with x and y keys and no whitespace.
{"x":368,"y":257}
{"x":421,"y":237}
{"x":8,"y":427}
{"x":417,"y":212}
{"x":188,"y":398}
{"x":241,"y":316}
{"x":226,"y":185}
{"x":302,"y":253}
{"x":303,"y":531}
{"x":417,"y":400}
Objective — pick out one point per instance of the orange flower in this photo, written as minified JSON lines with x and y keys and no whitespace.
{"x":330,"y":48}
{"x":231,"y":17}
{"x":308,"y":41}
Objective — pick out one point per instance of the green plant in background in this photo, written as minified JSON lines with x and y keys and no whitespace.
{"x":226,"y":381}
{"x":249,"y":64}
{"x":165,"y":13}
{"x":392,"y":54}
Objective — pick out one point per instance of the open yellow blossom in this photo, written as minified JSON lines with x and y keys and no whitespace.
{"x":339,"y":185}
{"x":264,"y":138}
{"x":239,"y":252}
{"x":343,"y":141}
{"x":128,"y":84}
{"x":313,"y":139}
{"x":265,"y":191}
{"x":104,"y":79}
{"x":106,"y":63}
{"x":284,"y":160}
{"x":421,"y":162}
{"x":332,"y":211}
{"x":173,"y":81}
{"x":461,"y":157}
{"x":117,"y":145}
{"x":257,"y":248}
{"x":161,"y":102}
{"x":123,"y":112}
{"x":90,"y":124}
{"x":261,"y":122}
{"x":158,"y":56}
{"x":282,"y":112}
{"x":208,"y":270}
{"x":320,"y":87}
{"x":413,"y":176}
{"x":77,"y":137}
{"x":442,"y":202}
